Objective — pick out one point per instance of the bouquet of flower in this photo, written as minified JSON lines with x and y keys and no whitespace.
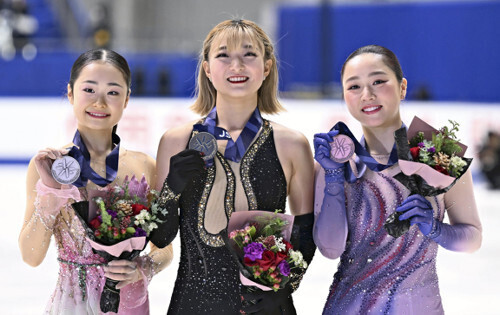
{"x":431,"y":162}
{"x":260,"y":240}
{"x":118,"y":223}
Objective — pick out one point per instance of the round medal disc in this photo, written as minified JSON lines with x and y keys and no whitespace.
{"x":65,"y":170}
{"x":342,"y":148}
{"x":204,"y":142}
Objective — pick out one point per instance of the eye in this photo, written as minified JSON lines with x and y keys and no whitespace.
{"x":250,"y":54}
{"x":377,"y":82}
{"x":353,"y":87}
{"x":88,"y":90}
{"x":221,"y":55}
{"x":114,"y":93}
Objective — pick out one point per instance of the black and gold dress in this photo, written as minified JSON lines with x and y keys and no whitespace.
{"x":208,"y":277}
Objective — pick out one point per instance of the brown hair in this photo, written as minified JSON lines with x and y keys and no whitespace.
{"x":235,"y":31}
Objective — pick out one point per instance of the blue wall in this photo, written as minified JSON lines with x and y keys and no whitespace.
{"x":452,"y":48}
{"x":48,"y":74}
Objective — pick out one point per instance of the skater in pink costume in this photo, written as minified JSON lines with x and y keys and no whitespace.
{"x":99,"y":91}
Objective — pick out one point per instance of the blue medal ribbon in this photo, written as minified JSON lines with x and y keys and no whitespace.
{"x":80,"y":152}
{"x":234,"y":149}
{"x":363,"y":155}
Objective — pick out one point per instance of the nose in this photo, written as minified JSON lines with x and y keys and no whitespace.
{"x":237,"y":63}
{"x":367,"y":93}
{"x":100,"y":101}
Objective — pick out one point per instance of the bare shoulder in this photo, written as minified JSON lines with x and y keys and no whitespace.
{"x":288,"y":137}
{"x":141,"y":157}
{"x":175,"y":139}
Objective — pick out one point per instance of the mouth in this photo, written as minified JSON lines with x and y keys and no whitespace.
{"x":98,"y":115}
{"x":237,"y":79}
{"x":371,"y":109}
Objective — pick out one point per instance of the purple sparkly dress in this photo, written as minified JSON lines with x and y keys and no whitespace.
{"x":81,"y":277}
{"x":377,"y":273}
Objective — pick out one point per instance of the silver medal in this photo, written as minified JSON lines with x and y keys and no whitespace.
{"x":204,"y":142}
{"x":65,"y":170}
{"x":342,"y":148}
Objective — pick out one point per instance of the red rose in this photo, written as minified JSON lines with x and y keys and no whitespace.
{"x":441,"y":169}
{"x":137,"y":207}
{"x":268,"y":260}
{"x":95,"y":223}
{"x":279,"y":257}
{"x":414,"y":153}
{"x":249,"y":262}
{"x":288,"y":246}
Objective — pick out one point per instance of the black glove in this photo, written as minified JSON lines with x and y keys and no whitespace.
{"x":183,"y":167}
{"x":268,"y":302}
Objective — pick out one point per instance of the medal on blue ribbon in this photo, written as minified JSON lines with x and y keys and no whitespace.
{"x":363,"y":155}
{"x":235,"y":150}
{"x":82,"y":155}
{"x":392,"y":225}
{"x":65,"y":170}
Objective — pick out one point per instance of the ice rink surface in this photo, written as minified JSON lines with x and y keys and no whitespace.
{"x":470,"y":283}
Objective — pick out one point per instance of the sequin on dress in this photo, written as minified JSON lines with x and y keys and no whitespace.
{"x":81,"y":277}
{"x":208,"y":278}
{"x":377,"y":273}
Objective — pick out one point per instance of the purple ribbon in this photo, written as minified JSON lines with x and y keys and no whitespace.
{"x":82,"y":155}
{"x":234,"y":149}
{"x":363,"y":156}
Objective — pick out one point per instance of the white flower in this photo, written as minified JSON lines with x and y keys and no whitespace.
{"x":296,"y":256}
{"x":279,"y":243}
{"x":457,"y":162}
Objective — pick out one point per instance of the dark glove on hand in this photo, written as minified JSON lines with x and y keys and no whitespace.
{"x":419,"y":211}
{"x":183,"y":167}
{"x":269,"y":302}
{"x":322,"y":150}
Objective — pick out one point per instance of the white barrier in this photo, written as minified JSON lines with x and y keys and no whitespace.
{"x":29,"y":124}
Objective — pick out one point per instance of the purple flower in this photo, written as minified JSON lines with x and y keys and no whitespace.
{"x":139,"y":232}
{"x":421,"y":144}
{"x":431,"y":150}
{"x":136,"y":188}
{"x":284,"y":268}
{"x":254,"y":251}
{"x":112,"y":213}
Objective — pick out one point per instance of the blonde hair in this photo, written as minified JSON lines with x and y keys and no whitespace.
{"x":235,"y":31}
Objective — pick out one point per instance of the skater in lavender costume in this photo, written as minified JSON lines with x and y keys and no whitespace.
{"x":378,"y":273}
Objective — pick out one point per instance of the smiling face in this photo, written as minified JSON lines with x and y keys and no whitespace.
{"x":99,"y":96}
{"x":372,"y":92}
{"x":236,"y":70}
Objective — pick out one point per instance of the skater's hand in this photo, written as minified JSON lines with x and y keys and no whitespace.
{"x":183,"y":167}
{"x":125,"y":271}
{"x":419,"y":211}
{"x":322,"y":150}
{"x":43,"y":163}
{"x":334,"y":171}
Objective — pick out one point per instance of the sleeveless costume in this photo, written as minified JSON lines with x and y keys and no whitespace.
{"x":208,"y":277}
